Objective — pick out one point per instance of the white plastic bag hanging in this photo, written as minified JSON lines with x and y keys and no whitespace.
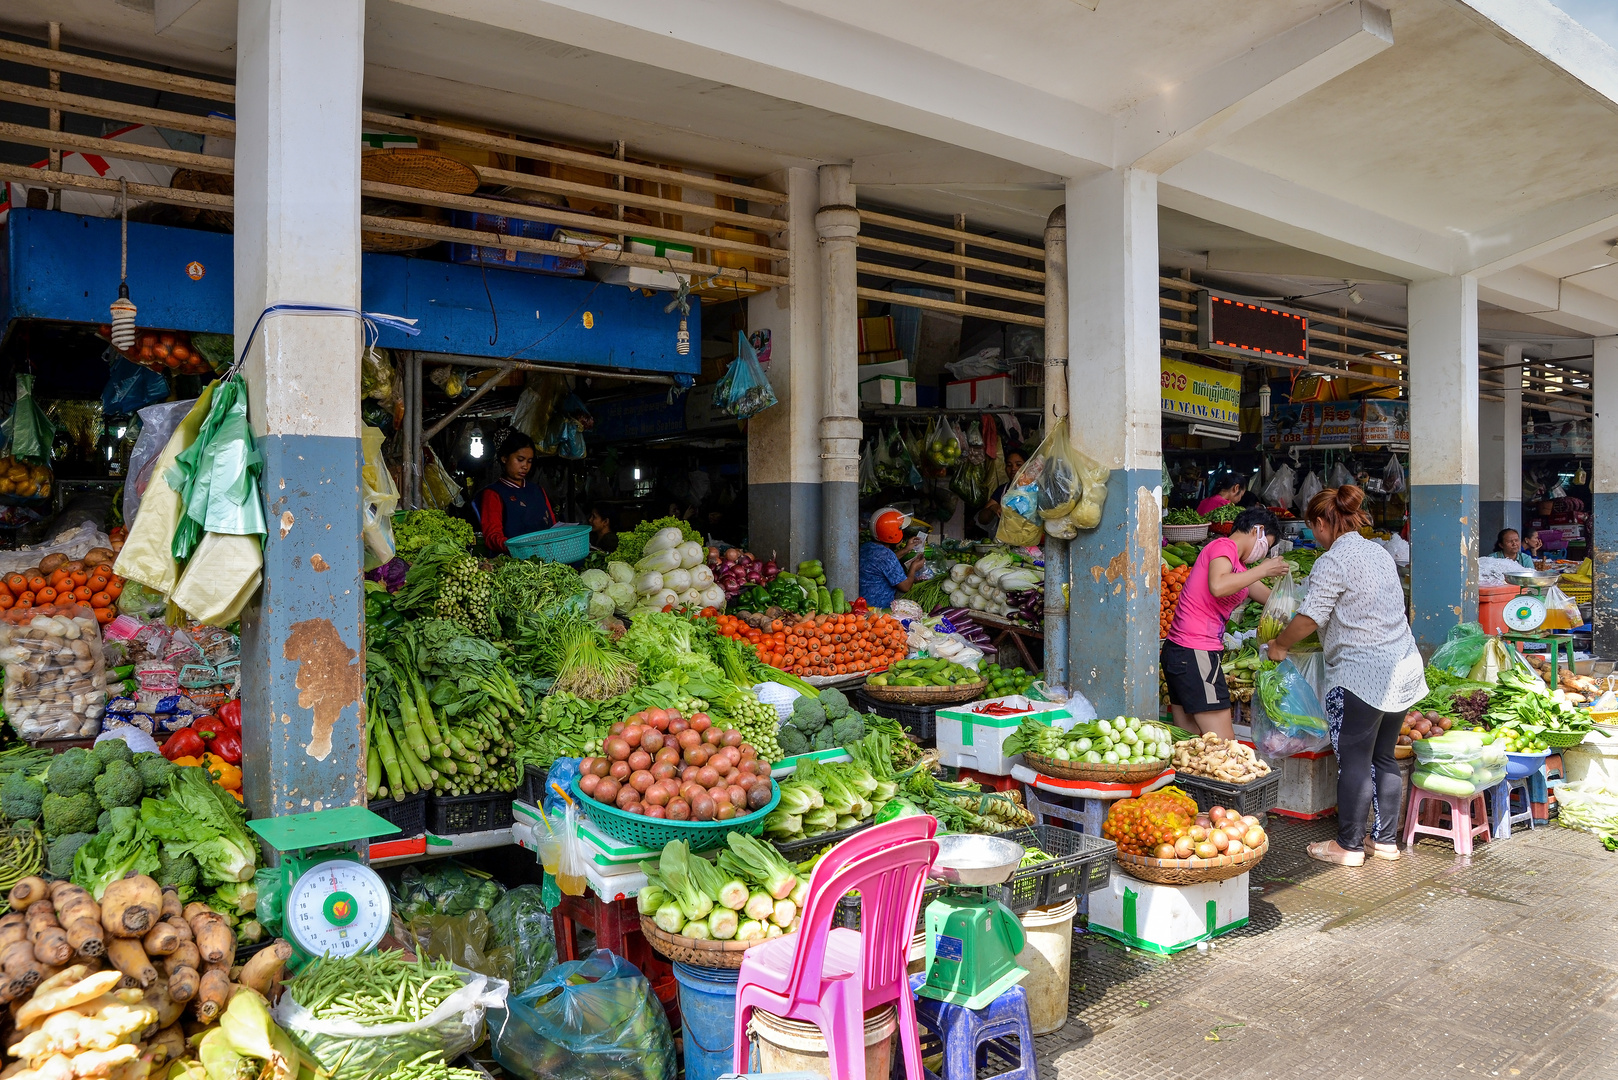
{"x":1339,"y":476}
{"x":379,"y":495}
{"x":1281,"y":488}
{"x":1393,"y":476}
{"x":1307,"y":490}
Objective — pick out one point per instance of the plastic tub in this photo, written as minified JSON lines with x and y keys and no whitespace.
{"x":1048,"y":956}
{"x":707,"y":1019}
{"x":1521,"y":766}
{"x":560,"y":543}
{"x":1492,"y":601}
{"x":788,"y":1046}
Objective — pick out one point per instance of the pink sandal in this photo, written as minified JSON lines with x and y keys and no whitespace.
{"x":1327,"y":851}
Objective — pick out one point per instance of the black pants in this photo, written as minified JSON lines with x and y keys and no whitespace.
{"x":1365,"y":739}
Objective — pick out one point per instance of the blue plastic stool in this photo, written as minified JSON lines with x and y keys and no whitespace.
{"x":1501,"y":816}
{"x":967,"y":1036}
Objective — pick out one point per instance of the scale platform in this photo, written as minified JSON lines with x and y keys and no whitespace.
{"x":322,"y":828}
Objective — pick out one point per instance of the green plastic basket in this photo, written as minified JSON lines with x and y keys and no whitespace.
{"x":654,"y":832}
{"x":563,"y":543}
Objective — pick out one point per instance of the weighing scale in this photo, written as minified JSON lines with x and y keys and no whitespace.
{"x":1525,"y":615}
{"x":972,"y":938}
{"x":331,"y":902}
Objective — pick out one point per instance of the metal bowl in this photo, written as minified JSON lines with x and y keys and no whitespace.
{"x":976,"y":860}
{"x":1536,"y":579}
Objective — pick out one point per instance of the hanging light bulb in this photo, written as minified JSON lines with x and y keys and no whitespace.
{"x":475,"y":443}
{"x":123,"y":309}
{"x":1264,"y":400}
{"x":682,"y":339}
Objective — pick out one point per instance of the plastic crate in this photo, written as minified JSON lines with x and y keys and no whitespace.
{"x":1080,"y":865}
{"x":560,"y":543}
{"x":920,"y":720}
{"x":532,"y":788}
{"x":1255,"y":797}
{"x":450,"y":815}
{"x":799,"y":850}
{"x":409,"y":813}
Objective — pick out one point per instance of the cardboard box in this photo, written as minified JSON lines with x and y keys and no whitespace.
{"x":886,"y":356}
{"x":900,"y":368}
{"x":637,"y":277}
{"x":888,"y":390}
{"x":730,"y":289}
{"x":988,"y":392}
{"x":876,"y":334}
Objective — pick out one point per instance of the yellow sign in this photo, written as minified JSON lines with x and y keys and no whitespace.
{"x":1196,"y":393}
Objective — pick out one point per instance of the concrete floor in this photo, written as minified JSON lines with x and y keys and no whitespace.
{"x":1426,"y":967}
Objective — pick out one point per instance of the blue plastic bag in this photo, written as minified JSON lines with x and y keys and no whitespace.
{"x":744,"y":390}
{"x":591,"y":1019}
{"x":1288,"y":718}
{"x":130,"y":388}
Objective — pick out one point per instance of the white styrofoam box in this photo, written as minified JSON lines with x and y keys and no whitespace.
{"x":1596,"y":758}
{"x":968,"y":739}
{"x":638,"y":277}
{"x":990,"y":391}
{"x":525,"y":818}
{"x":898,"y":368}
{"x":609,"y":856}
{"x":1308,"y":783}
{"x":1167,"y":918}
{"x":889,"y":390}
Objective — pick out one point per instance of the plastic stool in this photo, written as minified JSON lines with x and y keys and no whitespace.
{"x":1501,"y":817}
{"x":1463,"y":811}
{"x":967,"y":1035}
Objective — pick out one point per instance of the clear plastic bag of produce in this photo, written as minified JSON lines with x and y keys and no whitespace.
{"x":944,"y":445}
{"x":55,"y":673}
{"x":1339,"y":476}
{"x":1287,"y":715}
{"x":1393,"y":476}
{"x":1021,"y":523}
{"x":1496,"y":657}
{"x":349,"y":1050}
{"x":1588,"y":805}
{"x":744,"y":390}
{"x":1458,"y":763}
{"x":445,"y":888}
{"x":1281,"y":488}
{"x":1462,"y":648}
{"x":466,"y":940}
{"x":521,"y":922}
{"x":1285,"y":600}
{"x":869,"y":484}
{"x":379,"y":496}
{"x":591,"y":1019}
{"x":1307,"y":490}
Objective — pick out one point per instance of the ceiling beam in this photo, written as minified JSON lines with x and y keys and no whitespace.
{"x":1529,"y":292}
{"x":1555,"y":38}
{"x":1542,"y":231}
{"x":1163,"y":131}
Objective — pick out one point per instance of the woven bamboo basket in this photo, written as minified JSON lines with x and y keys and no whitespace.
{"x":926,"y":695}
{"x":213,"y":184}
{"x":370,"y":240}
{"x":1100,"y":772}
{"x":694,"y":951}
{"x":426,"y":169}
{"x":1191,"y":871}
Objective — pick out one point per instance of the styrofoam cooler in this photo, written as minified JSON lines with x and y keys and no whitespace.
{"x":971,"y":740}
{"x":1596,"y":758}
{"x":1167,"y":918}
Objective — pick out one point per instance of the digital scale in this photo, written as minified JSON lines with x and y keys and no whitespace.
{"x":332,"y":903}
{"x":972,"y":938}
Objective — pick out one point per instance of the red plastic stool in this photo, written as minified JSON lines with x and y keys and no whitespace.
{"x":991,"y":781}
{"x":1459,"y":829}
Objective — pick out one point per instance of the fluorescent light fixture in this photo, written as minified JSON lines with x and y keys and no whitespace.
{"x":1207,"y":431}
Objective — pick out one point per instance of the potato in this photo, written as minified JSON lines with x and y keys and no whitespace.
{"x":97,"y":556}
{"x":50,"y":563}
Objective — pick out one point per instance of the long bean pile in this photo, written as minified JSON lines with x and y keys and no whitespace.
{"x":374,"y":988}
{"x":431,"y":1066}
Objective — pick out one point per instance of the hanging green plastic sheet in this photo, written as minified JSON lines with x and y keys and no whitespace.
{"x":217,"y":475}
{"x":28,"y":429}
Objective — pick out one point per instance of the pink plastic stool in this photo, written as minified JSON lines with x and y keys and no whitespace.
{"x":1463,"y":811}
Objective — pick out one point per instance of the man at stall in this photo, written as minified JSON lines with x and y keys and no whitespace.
{"x":602,"y":535}
{"x":1373,"y":671}
{"x":513,"y":505}
{"x":882,"y":574}
{"x":1229,"y":492}
{"x":1220,"y":582}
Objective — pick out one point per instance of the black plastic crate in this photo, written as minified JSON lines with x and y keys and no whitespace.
{"x":1079,"y":865}
{"x":409,"y":813}
{"x":1256,"y":797}
{"x":450,"y":815}
{"x":920,"y":720}
{"x":532,"y":788}
{"x":848,"y":909}
{"x":799,"y":850}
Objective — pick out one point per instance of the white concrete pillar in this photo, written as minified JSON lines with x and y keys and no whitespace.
{"x":1113,"y":380}
{"x":783,"y":443}
{"x":299,"y":74}
{"x":838,"y":225}
{"x":1500,"y":455}
{"x":1604,"y":497}
{"x":1443,"y":455}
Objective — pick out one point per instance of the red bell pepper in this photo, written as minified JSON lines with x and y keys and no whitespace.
{"x":228,"y":745}
{"x":231,"y":713}
{"x":210,"y":727}
{"x":184,"y":743}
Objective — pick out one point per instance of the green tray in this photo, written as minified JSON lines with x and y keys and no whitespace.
{"x":654,"y":833}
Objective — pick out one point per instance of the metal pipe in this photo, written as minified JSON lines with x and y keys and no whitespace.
{"x":838,"y":226}
{"x":490,"y":383}
{"x":418,"y":459}
{"x":1057,"y":566}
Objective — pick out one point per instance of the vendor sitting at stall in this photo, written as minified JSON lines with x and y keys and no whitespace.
{"x":513,"y":505}
{"x":1220,"y":582}
{"x":1228,"y":493}
{"x":882,"y":575}
{"x":602,"y":535}
{"x":989,"y":516}
{"x":1509,"y":545}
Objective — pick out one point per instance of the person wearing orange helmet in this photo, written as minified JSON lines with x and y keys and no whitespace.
{"x":882,"y":575}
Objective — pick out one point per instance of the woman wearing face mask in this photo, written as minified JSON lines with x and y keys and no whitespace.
{"x":1227,"y":571}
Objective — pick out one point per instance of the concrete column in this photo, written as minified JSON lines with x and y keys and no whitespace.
{"x":1500,"y":456}
{"x":1443,"y":455}
{"x":838,"y":225}
{"x":783,"y":443}
{"x":299,"y":72}
{"x":1113,"y":382}
{"x":1057,"y":554}
{"x":1604,"y":497}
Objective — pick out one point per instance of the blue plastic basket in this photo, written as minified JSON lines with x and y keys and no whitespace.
{"x":1521,"y":766}
{"x":560,"y":543}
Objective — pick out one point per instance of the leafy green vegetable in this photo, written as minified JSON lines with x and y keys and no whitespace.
{"x":124,"y":848}
{"x":417,"y":529}
{"x":1228,"y":512}
{"x":632,"y":545}
{"x":524,"y":586}
{"x":1184,"y":516}
{"x":201,"y":820}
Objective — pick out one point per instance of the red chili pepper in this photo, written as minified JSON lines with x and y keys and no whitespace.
{"x":184,"y":743}
{"x":231,"y":713}
{"x":227,"y":745}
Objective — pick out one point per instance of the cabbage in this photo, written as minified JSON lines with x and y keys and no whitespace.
{"x":621,"y":571}
{"x":662,"y":598}
{"x":692,"y":554}
{"x":661,"y":561}
{"x":664,"y":540}
{"x":649,"y":582}
{"x":713,"y":596}
{"x":601,"y":605}
{"x":623,"y":595}
{"x":596,"y":580}
{"x":678,"y":580}
{"x":701,"y":577}
{"x":691,"y":598}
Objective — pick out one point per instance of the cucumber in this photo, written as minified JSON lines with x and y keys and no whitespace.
{"x":1172,"y":559}
{"x":823,"y":601}
{"x":838,"y":605}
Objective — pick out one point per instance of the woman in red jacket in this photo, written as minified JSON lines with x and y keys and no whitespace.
{"x":513,"y":505}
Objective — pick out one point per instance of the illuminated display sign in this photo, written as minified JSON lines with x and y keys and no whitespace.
{"x":1231,"y":326}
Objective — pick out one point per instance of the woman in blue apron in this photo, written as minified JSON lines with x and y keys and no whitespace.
{"x":513,"y":505}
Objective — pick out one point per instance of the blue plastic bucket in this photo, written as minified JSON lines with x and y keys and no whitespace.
{"x":708,"y":1019}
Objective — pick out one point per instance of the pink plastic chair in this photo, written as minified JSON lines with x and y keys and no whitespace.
{"x":831,"y":977}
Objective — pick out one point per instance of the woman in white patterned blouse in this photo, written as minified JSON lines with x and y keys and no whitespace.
{"x":1373,"y":671}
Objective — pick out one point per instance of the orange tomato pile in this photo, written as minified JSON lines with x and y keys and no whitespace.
{"x":1139,"y":826}
{"x":69,"y":586}
{"x":823,"y":644}
{"x":1174,"y":579}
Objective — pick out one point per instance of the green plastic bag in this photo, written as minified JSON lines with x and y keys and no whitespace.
{"x":217,"y":475}
{"x":28,"y":428}
{"x":1462,"y":648}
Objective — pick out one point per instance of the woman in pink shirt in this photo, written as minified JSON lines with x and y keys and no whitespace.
{"x":1230,"y":492}
{"x":1220,"y":582}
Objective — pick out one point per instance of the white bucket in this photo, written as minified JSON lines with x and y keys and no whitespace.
{"x":1048,"y":956}
{"x":787,"y":1046}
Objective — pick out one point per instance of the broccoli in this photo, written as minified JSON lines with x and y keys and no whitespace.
{"x":59,"y":858}
{"x":848,"y":730}
{"x":835,"y":704}
{"x":155,"y":773}
{"x":179,"y":871}
{"x":104,"y":821}
{"x":20,"y":797}
{"x":119,"y":785}
{"x":69,"y":813}
{"x":73,"y":771}
{"x":823,"y":739}
{"x":792,"y":741}
{"x":111,"y":750}
{"x":808,"y":715}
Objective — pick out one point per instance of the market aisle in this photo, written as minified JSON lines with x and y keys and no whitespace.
{"x":1419,"y":968}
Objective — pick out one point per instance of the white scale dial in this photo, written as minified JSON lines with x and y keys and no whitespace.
{"x":338,"y":907}
{"x":1524,"y":613}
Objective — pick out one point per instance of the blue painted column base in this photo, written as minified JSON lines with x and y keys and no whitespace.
{"x":1604,"y":544}
{"x":303,"y":667}
{"x":1115,"y":600}
{"x":1443,"y":559}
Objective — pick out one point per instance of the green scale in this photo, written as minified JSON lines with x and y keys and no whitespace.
{"x":972,"y":938}
{"x":332,"y":903}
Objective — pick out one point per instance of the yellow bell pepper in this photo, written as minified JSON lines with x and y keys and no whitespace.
{"x":225,"y":774}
